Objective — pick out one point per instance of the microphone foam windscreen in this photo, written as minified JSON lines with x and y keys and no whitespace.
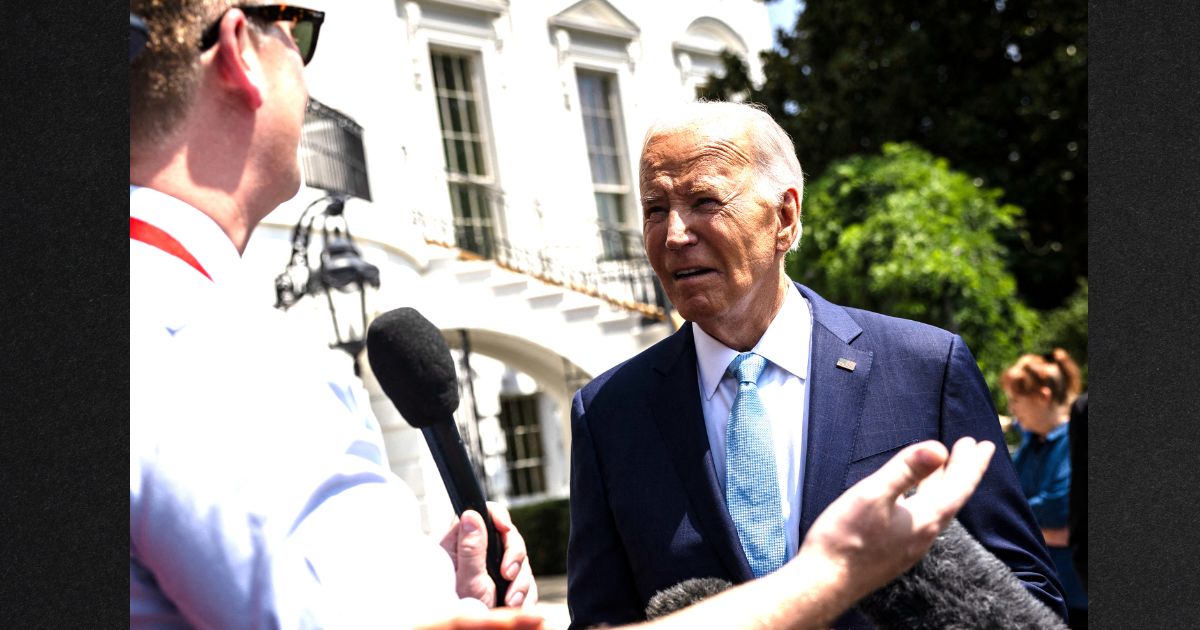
{"x":413,"y":365}
{"x":958,"y":585}
{"x":682,"y":595}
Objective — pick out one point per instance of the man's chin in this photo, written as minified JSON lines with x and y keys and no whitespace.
{"x":696,"y":309}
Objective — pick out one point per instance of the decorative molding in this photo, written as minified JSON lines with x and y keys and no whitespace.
{"x":478,"y":19}
{"x":412,"y":16}
{"x":595,"y":30}
{"x":597,"y":17}
{"x":710,"y":35}
{"x":412,"y":19}
{"x":562,"y":42}
{"x":698,"y":47}
{"x":502,"y":26}
{"x":701,"y":46}
{"x":685,"y":65}
{"x":492,"y":7}
{"x":634,"y":52}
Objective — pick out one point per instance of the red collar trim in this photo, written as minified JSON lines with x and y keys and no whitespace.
{"x":153,"y":236}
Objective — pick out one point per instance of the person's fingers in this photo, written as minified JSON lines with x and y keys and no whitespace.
{"x":497,"y":619}
{"x":514,"y":544}
{"x":968,"y":462}
{"x":934,"y":482}
{"x":939,"y":499}
{"x":907,"y":468}
{"x":449,"y":541}
{"x":500,"y":517}
{"x":522,"y":592}
{"x":531,"y":598}
{"x":515,"y":554}
{"x":514,"y":564}
{"x":471,"y":566}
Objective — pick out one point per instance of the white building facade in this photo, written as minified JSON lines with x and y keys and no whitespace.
{"x":501,"y":141}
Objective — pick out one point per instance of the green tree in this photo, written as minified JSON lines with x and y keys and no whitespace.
{"x":1067,"y":327}
{"x":999,"y":87}
{"x":902,"y":234}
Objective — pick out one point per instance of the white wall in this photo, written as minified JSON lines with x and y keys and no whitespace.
{"x":372,"y":64}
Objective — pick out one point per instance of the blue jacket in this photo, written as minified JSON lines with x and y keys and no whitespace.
{"x":647,"y":511}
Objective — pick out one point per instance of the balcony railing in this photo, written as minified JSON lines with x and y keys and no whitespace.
{"x":603,"y":261}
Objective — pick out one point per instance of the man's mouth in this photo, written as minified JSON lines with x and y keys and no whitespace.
{"x":691,"y":272}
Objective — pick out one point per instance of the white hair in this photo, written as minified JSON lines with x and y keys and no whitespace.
{"x":776,"y":165}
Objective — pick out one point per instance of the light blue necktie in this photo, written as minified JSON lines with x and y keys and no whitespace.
{"x":751,"y":482}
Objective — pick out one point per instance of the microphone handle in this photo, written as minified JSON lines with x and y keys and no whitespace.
{"x":450,"y":455}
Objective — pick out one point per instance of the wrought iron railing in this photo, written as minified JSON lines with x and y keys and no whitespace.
{"x":603,"y":261}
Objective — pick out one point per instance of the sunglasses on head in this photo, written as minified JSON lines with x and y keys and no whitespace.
{"x":306,"y":25}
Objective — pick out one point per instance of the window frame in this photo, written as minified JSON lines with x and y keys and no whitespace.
{"x":616,"y":114}
{"x":532,"y":430}
{"x":475,"y":232}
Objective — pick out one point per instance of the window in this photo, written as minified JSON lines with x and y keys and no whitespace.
{"x":465,"y":146}
{"x":523,"y":434}
{"x":699,"y":52}
{"x":600,"y":108}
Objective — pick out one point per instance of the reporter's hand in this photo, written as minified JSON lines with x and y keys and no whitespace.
{"x":872,"y":533}
{"x":500,"y":619}
{"x":867,"y":537}
{"x":466,"y":542}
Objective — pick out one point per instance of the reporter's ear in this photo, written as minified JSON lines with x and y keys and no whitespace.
{"x":236,"y":60}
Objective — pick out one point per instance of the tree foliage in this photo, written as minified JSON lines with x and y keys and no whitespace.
{"x":901,"y":233}
{"x":1067,"y":327}
{"x":999,"y":87}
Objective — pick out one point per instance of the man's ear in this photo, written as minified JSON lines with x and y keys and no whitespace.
{"x":237,"y":61}
{"x":789,"y":219}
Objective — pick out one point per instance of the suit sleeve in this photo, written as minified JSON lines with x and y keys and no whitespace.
{"x":997,"y":514}
{"x":600,"y":586}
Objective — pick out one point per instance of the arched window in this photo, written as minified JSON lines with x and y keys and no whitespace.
{"x":698,"y":52}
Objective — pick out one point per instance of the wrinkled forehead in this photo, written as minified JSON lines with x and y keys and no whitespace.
{"x":715,"y":147}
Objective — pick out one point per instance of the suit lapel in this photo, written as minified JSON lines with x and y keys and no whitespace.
{"x":836,"y":396}
{"x":681,"y":422}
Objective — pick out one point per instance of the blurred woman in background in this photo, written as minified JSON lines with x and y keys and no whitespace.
{"x":1040,"y":390}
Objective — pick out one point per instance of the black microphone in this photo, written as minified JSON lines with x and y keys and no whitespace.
{"x":958,"y":584}
{"x":413,"y":365}
{"x":682,"y":595}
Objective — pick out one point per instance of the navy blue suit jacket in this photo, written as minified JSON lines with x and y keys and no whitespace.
{"x":647,"y":511}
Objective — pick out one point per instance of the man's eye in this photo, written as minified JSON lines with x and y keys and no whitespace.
{"x":654,"y":212}
{"x":707,"y":202}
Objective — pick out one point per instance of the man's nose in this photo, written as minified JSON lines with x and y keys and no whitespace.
{"x":678,"y":234}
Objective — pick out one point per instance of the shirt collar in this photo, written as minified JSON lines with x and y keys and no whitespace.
{"x":196,"y":231}
{"x":785,"y":344}
{"x":1058,"y":431}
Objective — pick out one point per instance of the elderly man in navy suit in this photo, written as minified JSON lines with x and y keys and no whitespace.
{"x":711,"y":453}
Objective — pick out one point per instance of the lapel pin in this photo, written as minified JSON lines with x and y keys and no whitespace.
{"x":846,"y":364}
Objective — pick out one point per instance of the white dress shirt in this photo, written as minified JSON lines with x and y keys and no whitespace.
{"x":783,"y":389}
{"x":259,"y":495}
